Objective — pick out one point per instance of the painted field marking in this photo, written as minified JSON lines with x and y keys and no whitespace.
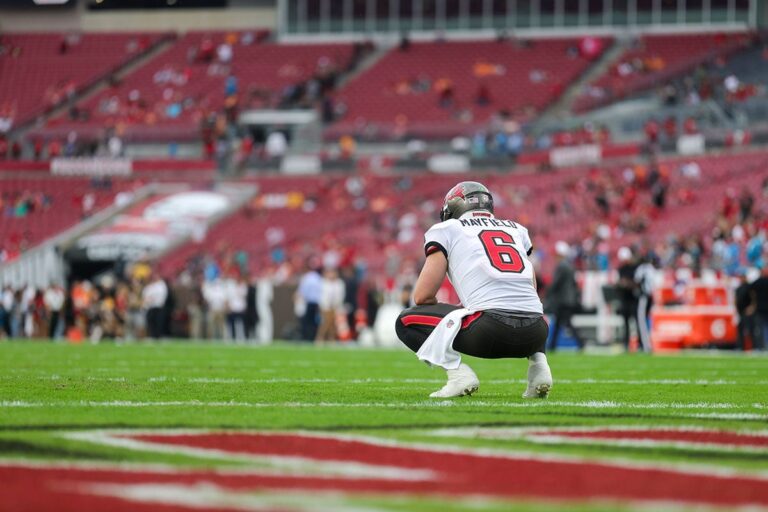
{"x":540,"y":404}
{"x":278,"y":465}
{"x":309,"y":463}
{"x":421,"y":405}
{"x":384,"y":380}
{"x":682,"y":437}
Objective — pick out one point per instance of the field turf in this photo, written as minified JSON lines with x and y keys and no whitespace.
{"x":88,"y":408}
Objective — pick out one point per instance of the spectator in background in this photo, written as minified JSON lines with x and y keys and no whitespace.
{"x":331,"y":302}
{"x":215,"y":295}
{"x":562,"y":299}
{"x":135,"y":321}
{"x":205,"y":51}
{"x":746,"y":309}
{"x":237,"y":293}
{"x":54,"y":302}
{"x":746,"y":204}
{"x":627,"y":291}
{"x":230,"y":86}
{"x":115,"y":146}
{"x":760,"y":294}
{"x":276,"y":145}
{"x":224,"y":53}
{"x":27,"y":310}
{"x":251,"y":311}
{"x":154,"y":297}
{"x":644,"y":278}
{"x":7,"y":302}
{"x":308,"y":296}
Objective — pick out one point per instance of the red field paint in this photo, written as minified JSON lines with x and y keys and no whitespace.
{"x":712,"y":438}
{"x":449,"y":473}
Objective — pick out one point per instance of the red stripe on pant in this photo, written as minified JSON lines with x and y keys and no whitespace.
{"x":421,"y":320}
{"x":434,"y":320}
{"x":468,"y":320}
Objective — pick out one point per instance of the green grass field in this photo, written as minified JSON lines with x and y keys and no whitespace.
{"x":48,"y":392}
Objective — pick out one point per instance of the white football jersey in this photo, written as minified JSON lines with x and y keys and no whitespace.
{"x":487,"y":261}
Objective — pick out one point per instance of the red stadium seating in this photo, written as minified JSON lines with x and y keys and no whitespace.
{"x":519,"y":78}
{"x":656,"y":59}
{"x":56,"y":205}
{"x":264,"y":66}
{"x":36,"y":73}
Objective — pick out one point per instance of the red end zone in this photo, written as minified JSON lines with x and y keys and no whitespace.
{"x":418,"y":471}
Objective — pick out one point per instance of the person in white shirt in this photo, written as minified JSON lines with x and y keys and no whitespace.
{"x":331,"y":302}
{"x":27,"y":310}
{"x":153,"y":297}
{"x":486,"y":260}
{"x":54,"y":302}
{"x":215,"y":296}
{"x":276,"y":145}
{"x":236,"y":292}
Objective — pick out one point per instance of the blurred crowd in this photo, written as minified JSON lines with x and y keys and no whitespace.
{"x":135,"y":304}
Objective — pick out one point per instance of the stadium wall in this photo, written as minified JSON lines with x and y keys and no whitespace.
{"x":80,"y":19}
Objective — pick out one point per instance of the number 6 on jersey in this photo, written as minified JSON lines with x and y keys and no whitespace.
{"x":500,"y":248}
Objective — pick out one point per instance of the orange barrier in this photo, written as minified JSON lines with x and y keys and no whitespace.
{"x":691,"y":327}
{"x":694,"y":294}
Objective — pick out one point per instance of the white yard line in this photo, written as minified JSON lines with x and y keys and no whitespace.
{"x":384,"y":380}
{"x":471,"y":403}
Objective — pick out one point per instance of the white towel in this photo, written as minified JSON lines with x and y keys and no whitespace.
{"x":438,"y":350}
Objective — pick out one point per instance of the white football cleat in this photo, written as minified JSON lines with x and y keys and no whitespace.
{"x":539,"y":377}
{"x":461,"y":381}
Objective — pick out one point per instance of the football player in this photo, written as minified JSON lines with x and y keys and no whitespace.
{"x":486,"y":260}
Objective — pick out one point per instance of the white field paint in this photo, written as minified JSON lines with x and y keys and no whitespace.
{"x":472,"y":502}
{"x":215,"y":380}
{"x":210,"y":496}
{"x":313,"y":500}
{"x":553,"y":436}
{"x":471,"y":403}
{"x":496,"y":452}
{"x":282,"y":465}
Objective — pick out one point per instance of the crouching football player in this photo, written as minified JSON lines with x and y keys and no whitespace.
{"x":486,"y":260}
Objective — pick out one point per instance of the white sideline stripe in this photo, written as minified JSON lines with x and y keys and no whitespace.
{"x":542,"y":404}
{"x":216,"y":380}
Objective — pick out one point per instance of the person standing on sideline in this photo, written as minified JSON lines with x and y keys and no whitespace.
{"x":153,"y":297}
{"x":746,"y":308}
{"x":310,"y":289}
{"x":331,"y":302}
{"x":54,"y":302}
{"x":563,"y":297}
{"x":760,"y":291}
{"x":645,"y":276}
{"x":501,"y":316}
{"x":251,"y":310}
{"x":237,"y":291}
{"x":215,"y":296}
{"x":627,"y":291}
